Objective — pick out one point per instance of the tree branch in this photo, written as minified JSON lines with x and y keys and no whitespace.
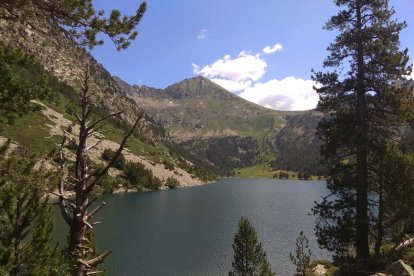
{"x":98,"y":260}
{"x":99,"y":174}
{"x":94,"y":145}
{"x":96,"y":210}
{"x":103,"y":119}
{"x":62,"y":205}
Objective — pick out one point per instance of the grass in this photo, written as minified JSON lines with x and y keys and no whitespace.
{"x":262,"y":171}
{"x":31,"y":132}
{"x":256,"y":171}
{"x":265,"y":171}
{"x":136,"y":146}
{"x":156,"y":153}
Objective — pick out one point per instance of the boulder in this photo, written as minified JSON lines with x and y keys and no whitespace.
{"x":400,"y":269}
{"x":319,"y":270}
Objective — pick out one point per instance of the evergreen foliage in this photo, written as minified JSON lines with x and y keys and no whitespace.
{"x":78,"y":20}
{"x":141,"y":177}
{"x":17,"y":85}
{"x":249,"y":256}
{"x":395,"y":190}
{"x":120,"y":162}
{"x":301,"y":259}
{"x":367,"y":99}
{"x":172,"y":182}
{"x":26,"y":220}
{"x":298,"y":145}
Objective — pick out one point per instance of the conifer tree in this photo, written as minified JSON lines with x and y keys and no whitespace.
{"x":367,"y":99}
{"x":301,"y":259}
{"x":249,"y":256}
{"x":26,"y":220}
{"x":16,"y":93}
{"x":395,"y":192}
{"x":78,"y":20}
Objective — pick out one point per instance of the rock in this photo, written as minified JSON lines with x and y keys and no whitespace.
{"x":319,"y":270}
{"x":400,"y":269}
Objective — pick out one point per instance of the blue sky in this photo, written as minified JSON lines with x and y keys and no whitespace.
{"x":225,"y":41}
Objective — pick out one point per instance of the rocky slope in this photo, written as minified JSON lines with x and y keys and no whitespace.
{"x":222,"y":131}
{"x":195,"y":118}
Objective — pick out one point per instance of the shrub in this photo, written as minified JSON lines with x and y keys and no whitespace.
{"x":107,"y":155}
{"x":168,"y":165}
{"x":172,"y":182}
{"x":139,"y":176}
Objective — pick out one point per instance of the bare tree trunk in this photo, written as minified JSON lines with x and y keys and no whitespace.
{"x":84,"y":180}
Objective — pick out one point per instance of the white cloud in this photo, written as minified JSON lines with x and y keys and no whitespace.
{"x":287,"y":94}
{"x":233,"y":86}
{"x":272,"y":49}
{"x":242,"y":74}
{"x":244,"y":67}
{"x":202,"y":34}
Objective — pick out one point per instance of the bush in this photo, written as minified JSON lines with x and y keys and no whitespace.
{"x":283,"y":175}
{"x":108,"y":154}
{"x":139,"y":176}
{"x":172,"y":182}
{"x":168,"y":165}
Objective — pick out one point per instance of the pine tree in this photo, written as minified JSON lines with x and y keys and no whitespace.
{"x":366,"y":98}
{"x":395,"y":196}
{"x":78,"y":20}
{"x":249,"y":256}
{"x":26,"y":220}
{"x":16,"y":93}
{"x":301,"y":259}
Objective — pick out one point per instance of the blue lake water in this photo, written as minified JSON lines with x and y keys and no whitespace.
{"x":190,"y":231}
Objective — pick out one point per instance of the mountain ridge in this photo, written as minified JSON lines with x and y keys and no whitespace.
{"x":194,"y":117}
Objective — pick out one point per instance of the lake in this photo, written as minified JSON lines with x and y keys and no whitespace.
{"x":190,"y":231}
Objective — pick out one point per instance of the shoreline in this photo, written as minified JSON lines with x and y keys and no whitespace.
{"x":53,"y":197}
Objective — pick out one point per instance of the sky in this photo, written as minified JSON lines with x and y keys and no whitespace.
{"x":261,"y":50}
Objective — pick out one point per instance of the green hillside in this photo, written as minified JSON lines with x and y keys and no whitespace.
{"x":196,"y":119}
{"x":197,"y":107}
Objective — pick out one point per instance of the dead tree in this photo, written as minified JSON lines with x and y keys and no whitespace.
{"x":77,"y":211}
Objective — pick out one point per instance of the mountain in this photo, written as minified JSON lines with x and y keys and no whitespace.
{"x":221,"y":131}
{"x":194,"y":119}
{"x":298,"y":145}
{"x":198,"y":108}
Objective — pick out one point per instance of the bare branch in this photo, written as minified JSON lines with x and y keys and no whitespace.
{"x":70,"y":201}
{"x":83,"y":262}
{"x":84,"y":247}
{"x":94,"y":272}
{"x":87,"y":224}
{"x":94,"y":145}
{"x":98,"y":260}
{"x":103,"y":119}
{"x":62,"y":206}
{"x":78,"y":118}
{"x":99,"y":174}
{"x":98,"y":128}
{"x":96,"y":210}
{"x":91,"y":202}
